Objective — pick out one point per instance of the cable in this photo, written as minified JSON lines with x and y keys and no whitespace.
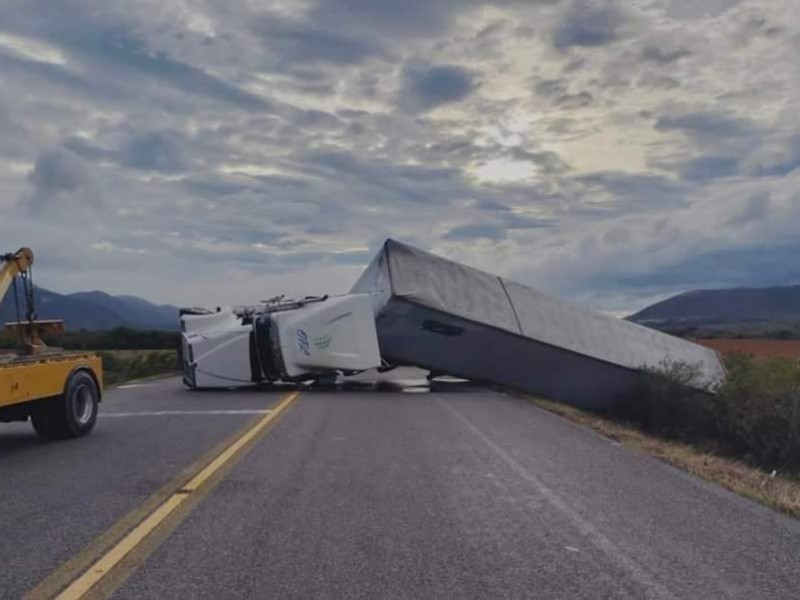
{"x":16,"y":309}
{"x":31,"y":300}
{"x":27,"y":288}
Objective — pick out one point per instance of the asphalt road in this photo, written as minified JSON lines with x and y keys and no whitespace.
{"x":391,"y":490}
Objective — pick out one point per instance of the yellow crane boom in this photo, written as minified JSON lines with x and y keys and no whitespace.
{"x":29,"y":331}
{"x":14,"y":264}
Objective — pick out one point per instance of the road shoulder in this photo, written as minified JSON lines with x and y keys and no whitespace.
{"x":774,"y":490}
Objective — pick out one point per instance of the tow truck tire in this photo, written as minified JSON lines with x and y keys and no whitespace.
{"x":71,"y":415}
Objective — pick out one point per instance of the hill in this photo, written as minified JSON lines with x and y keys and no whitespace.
{"x":96,"y":311}
{"x":744,"y":309}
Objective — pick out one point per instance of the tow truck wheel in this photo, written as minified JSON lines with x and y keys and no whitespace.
{"x":71,"y":415}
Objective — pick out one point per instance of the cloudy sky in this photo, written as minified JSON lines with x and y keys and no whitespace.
{"x":201,"y":152}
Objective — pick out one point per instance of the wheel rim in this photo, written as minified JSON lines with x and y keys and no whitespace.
{"x":83,"y":405}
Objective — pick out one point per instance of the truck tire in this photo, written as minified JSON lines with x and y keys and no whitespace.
{"x":71,"y":415}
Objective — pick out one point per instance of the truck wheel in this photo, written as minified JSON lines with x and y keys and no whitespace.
{"x":71,"y":415}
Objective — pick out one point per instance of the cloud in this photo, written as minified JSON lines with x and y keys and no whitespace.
{"x":112,"y":44}
{"x":704,"y":124}
{"x":410,"y":18}
{"x":590,"y":23}
{"x":755,"y":208}
{"x":774,"y":158}
{"x":726,"y":145}
{"x":584,"y":146}
{"x":476,"y":231}
{"x":156,"y":151}
{"x":640,"y":256}
{"x":626,"y":192}
{"x":350,"y":32}
{"x":125,"y":51}
{"x":706,"y":168}
{"x":425,"y":87}
{"x":57,"y":175}
{"x":491,"y":205}
{"x":654,"y":80}
{"x":56,"y":77}
{"x":732,"y":267}
{"x":86,"y":148}
{"x":574,"y":101}
{"x":303,"y":42}
{"x":689,"y":9}
{"x":546,"y":161}
{"x":518,"y":221}
{"x":383,"y":182}
{"x":662,"y":55}
{"x":558,"y":93}
{"x":551,"y":88}
{"x":216,"y":188}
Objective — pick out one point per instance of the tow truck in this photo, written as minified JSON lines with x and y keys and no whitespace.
{"x":58,"y":391}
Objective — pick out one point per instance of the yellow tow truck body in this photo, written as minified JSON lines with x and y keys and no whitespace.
{"x":59,"y":391}
{"x":24,"y":379}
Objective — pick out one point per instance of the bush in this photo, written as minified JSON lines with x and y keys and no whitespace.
{"x":671,"y":401}
{"x":118,"y":368}
{"x":755,"y":414}
{"x":758,"y":408}
{"x":120,"y":338}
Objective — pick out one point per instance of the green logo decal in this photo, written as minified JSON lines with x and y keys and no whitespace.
{"x":322,"y":341}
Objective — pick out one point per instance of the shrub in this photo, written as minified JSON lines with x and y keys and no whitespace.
{"x":117,"y":368}
{"x":754,"y":414}
{"x":120,"y":338}
{"x":667,"y":401}
{"x":759,"y":408}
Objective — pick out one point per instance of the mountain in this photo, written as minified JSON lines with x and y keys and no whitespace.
{"x":95,"y":310}
{"x":138,"y":313}
{"x":773,"y":307}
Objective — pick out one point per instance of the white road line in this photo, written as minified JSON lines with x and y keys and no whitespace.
{"x":170,"y":413}
{"x":653,"y":587}
{"x":129,"y":386}
{"x":410,"y":382}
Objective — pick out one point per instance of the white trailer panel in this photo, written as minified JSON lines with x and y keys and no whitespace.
{"x":452,"y":319}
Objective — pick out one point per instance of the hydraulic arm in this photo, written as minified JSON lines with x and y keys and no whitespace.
{"x":30,"y":330}
{"x":13,"y":264}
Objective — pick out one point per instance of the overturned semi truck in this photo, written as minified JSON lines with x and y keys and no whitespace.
{"x":411,"y":307}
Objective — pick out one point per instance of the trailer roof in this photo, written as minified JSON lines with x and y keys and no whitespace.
{"x":429,"y":280}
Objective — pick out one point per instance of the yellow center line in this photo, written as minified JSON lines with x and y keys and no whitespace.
{"x":84,"y":583}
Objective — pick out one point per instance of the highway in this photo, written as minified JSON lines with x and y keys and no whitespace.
{"x":387,"y":489}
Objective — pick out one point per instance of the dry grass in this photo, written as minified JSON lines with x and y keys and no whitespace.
{"x":128,"y":353}
{"x":779,"y":491}
{"x":120,"y":366}
{"x":760,"y":348}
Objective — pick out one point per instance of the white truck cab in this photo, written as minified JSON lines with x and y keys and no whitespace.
{"x":279,"y":341}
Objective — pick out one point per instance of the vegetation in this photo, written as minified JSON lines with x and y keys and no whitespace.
{"x":754,"y":415}
{"x":759,"y":410}
{"x":741,"y":332}
{"x":127,"y":353}
{"x":121,"y":338}
{"x":124,"y":366}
